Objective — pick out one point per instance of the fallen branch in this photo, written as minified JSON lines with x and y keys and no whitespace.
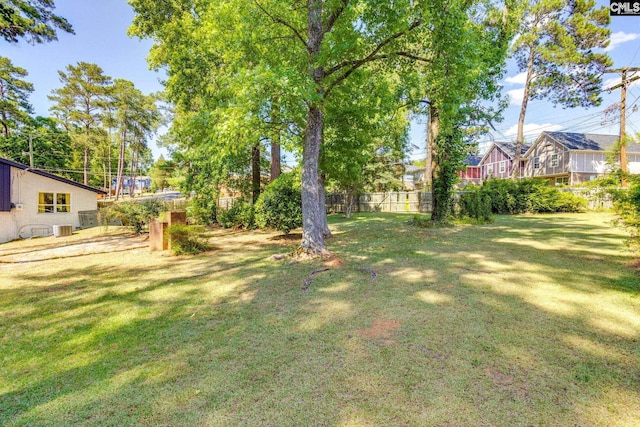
{"x":373,"y":274}
{"x":307,"y":281}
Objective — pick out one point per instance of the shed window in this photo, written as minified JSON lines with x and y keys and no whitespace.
{"x":54,"y":202}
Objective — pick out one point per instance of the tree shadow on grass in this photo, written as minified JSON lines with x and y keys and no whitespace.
{"x":230,"y":339}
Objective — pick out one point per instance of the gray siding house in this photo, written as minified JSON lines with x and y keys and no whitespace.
{"x":574,"y":158}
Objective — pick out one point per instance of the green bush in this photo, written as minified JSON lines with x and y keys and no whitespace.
{"x":530,"y":195}
{"x":475,"y":204}
{"x":550,"y":199}
{"x":240,"y":215}
{"x":280,"y":204}
{"x":627,"y":205}
{"x":202,"y":209}
{"x":187,"y":240}
{"x":135,"y":214}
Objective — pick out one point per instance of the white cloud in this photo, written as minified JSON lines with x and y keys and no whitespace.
{"x":518,"y":79}
{"x":516,"y":96}
{"x":532,"y":130}
{"x":619,"y":38}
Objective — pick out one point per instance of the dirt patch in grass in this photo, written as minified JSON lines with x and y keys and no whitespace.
{"x":333,"y":262}
{"x":382,"y":329}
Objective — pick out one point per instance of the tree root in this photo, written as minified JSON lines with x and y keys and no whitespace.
{"x":373,"y":274}
{"x":307,"y":281}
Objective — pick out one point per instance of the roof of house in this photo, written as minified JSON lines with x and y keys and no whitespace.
{"x":589,"y":141}
{"x":49,"y":175}
{"x":472,"y":160}
{"x":508,"y":148}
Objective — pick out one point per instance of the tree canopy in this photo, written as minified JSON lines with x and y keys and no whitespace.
{"x":32,"y":20}
{"x":229,"y":61}
{"x":15,"y":108}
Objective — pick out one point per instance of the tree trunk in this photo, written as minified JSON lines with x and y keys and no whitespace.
{"x":276,"y":167}
{"x":437,"y":213}
{"x":110,"y":169}
{"x":515,"y":168}
{"x":312,"y":218}
{"x":132,"y":175}
{"x":349,"y":198}
{"x":120,"y":173}
{"x":427,"y":163}
{"x":86,"y":163}
{"x":104,"y":173}
{"x":255,"y":172}
{"x":5,"y":127}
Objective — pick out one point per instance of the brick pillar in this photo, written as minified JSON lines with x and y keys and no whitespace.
{"x":157,"y":237}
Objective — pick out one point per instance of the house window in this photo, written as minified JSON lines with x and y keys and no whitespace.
{"x":564,"y":180}
{"x":490,"y":169}
{"x":536,"y":162}
{"x":554,"y":160}
{"x":54,"y":202}
{"x":502,"y":166}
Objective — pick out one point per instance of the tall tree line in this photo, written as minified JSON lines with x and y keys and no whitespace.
{"x":100,"y":127}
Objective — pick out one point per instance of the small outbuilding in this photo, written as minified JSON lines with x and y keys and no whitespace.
{"x":34,"y":202}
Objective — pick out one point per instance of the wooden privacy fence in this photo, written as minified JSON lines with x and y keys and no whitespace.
{"x":420,"y":202}
{"x":395,"y":201}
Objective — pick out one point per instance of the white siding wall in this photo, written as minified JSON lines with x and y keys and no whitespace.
{"x":592,"y":162}
{"x":25,"y":187}
{"x":633,"y":161}
{"x":588,"y":162}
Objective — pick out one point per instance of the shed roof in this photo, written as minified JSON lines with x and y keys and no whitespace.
{"x":49,"y":175}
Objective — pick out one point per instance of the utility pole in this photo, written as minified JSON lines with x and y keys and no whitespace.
{"x":623,"y":113}
{"x":30,"y":152}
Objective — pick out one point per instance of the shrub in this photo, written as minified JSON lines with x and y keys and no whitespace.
{"x":135,"y":215}
{"x":550,"y":199}
{"x":530,"y":195}
{"x":187,"y":240}
{"x":475,"y":204}
{"x":202,"y":208}
{"x":241,"y":215}
{"x":280,"y":204}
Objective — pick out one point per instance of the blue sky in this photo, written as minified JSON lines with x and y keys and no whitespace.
{"x":101,"y":38}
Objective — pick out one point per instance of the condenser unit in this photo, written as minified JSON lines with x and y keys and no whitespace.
{"x":62,"y":230}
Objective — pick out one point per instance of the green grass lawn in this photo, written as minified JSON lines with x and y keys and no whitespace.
{"x":531,"y":320}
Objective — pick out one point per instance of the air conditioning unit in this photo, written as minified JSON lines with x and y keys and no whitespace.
{"x":62,"y":230}
{"x":19,"y":206}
